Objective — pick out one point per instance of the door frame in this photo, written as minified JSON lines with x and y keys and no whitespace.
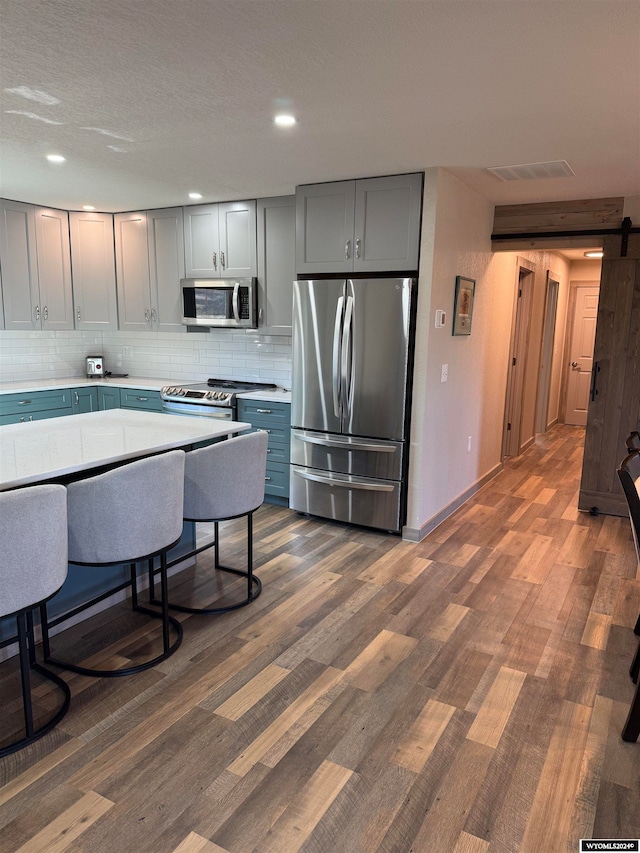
{"x":518,"y":352}
{"x":547,"y":344}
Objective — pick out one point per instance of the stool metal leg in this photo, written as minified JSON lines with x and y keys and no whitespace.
{"x":631,"y":729}
{"x":23,"y":646}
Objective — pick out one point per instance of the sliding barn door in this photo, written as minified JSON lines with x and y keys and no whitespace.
{"x":614,"y":406}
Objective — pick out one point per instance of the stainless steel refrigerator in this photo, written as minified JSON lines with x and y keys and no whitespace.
{"x":349,"y":417}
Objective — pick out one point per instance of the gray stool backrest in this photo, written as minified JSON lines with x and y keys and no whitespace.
{"x":33,"y":543}
{"x":225,"y":479}
{"x":127,"y":513}
{"x":629,"y":473}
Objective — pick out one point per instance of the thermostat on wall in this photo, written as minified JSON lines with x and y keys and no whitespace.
{"x":441,"y":318}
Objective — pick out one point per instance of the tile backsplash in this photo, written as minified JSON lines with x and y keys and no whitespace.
{"x":161,"y":355}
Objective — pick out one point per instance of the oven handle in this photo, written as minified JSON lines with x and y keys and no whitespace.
{"x":169,"y":408}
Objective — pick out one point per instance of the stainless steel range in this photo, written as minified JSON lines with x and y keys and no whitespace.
{"x":215,"y":398}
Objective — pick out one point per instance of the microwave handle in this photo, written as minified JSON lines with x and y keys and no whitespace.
{"x":235,"y":302}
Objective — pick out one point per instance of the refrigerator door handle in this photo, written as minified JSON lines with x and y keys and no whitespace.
{"x":344,"y":484}
{"x":337,"y":343}
{"x":344,"y":445}
{"x":346,"y":365}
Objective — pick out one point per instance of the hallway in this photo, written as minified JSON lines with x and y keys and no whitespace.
{"x":465,"y":694}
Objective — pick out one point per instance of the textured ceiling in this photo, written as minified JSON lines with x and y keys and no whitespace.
{"x":151,"y":99}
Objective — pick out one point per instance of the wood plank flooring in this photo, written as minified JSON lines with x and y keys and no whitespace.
{"x":462,"y":694}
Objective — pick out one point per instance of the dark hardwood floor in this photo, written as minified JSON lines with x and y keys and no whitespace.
{"x":462,"y":694}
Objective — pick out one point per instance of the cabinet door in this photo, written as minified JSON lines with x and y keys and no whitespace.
{"x":108,"y":398}
{"x":166,"y":267}
{"x":237,"y":230}
{"x":54,"y":269}
{"x":276,"y":263}
{"x":201,"y":243}
{"x":84,"y":400}
{"x":132,"y":272}
{"x":94,"y":270}
{"x":387,"y":224}
{"x":19,"y":266}
{"x":324,"y":227}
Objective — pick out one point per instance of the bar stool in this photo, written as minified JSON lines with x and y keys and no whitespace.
{"x":629,"y":474}
{"x":33,"y":567}
{"x":225,"y":481}
{"x":126,"y":515}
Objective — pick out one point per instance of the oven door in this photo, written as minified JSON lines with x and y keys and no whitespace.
{"x":197,"y":410}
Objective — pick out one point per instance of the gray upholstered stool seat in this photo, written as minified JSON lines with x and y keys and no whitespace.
{"x":629,"y":474}
{"x":33,"y":567}
{"x":126,"y":515}
{"x":225,"y":481}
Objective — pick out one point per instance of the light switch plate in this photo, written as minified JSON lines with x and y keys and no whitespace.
{"x":444,"y":373}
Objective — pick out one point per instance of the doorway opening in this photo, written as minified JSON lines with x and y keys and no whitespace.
{"x":513,"y":442}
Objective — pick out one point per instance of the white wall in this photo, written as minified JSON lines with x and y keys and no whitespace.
{"x":457,"y":225}
{"x":179,"y":357}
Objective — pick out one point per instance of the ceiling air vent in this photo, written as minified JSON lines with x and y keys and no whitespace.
{"x":533,"y":171}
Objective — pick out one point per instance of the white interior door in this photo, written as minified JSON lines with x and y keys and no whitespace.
{"x":580,"y":354}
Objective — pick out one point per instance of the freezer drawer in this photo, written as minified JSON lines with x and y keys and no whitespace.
{"x":364,"y":457}
{"x":341,"y":497}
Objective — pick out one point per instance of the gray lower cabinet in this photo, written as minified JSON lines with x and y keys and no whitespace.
{"x":276,"y":263}
{"x":36,"y":267}
{"x":220,"y":240}
{"x":94,"y":270}
{"x":366,"y":225}
{"x":84,"y":400}
{"x":275,"y":419}
{"x":35,"y":406}
{"x":108,"y":398}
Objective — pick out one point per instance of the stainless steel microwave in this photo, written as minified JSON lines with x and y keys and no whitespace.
{"x":226,"y":303}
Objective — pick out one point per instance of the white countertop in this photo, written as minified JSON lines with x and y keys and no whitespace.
{"x":37,"y":451}
{"x":30,"y":386}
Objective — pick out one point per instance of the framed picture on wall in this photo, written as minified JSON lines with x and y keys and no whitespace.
{"x":463,"y":305}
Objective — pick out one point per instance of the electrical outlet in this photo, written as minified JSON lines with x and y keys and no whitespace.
{"x":468,"y":444}
{"x":441,"y":318}
{"x":126,"y":352}
{"x":444,"y":373}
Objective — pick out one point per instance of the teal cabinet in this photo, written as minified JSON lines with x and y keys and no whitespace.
{"x":133,"y":398}
{"x":19,"y":408}
{"x":275,"y":419}
{"x":84,"y":400}
{"x":108,"y":398}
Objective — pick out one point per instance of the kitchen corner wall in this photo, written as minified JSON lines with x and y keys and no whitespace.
{"x":164,"y":356}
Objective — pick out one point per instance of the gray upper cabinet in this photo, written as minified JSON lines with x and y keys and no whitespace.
{"x":220,"y":240}
{"x":132,"y":271}
{"x":36,"y":267}
{"x":149,"y":266}
{"x":368,"y":225}
{"x":276,"y":263}
{"x":93,"y":270}
{"x":166,"y":267}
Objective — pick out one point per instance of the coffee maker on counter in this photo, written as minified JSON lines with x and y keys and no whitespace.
{"x":95,"y":366}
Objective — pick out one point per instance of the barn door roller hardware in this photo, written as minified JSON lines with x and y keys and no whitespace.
{"x":624,"y":231}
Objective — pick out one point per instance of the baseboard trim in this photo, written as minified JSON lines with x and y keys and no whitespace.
{"x":412,"y":534}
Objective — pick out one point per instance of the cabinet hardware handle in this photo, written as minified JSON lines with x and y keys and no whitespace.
{"x":77,"y":398}
{"x":222,"y":260}
{"x":215,"y":260}
{"x":267,"y":479}
{"x":347,"y":250}
{"x":24,"y":402}
{"x":268,"y":450}
{"x":153,"y":315}
{"x":264,"y":411}
{"x":46,"y":313}
{"x":30,"y":417}
{"x":146,"y":314}
{"x":78,"y":312}
{"x":142,"y":399}
{"x":21,"y":419}
{"x":358,"y":247}
{"x":37,"y":312}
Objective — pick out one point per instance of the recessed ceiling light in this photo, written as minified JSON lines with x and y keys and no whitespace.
{"x":195,"y":195}
{"x":284,"y":120}
{"x":595,"y":254}
{"x":56,"y":158}
{"x":88,"y":207}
